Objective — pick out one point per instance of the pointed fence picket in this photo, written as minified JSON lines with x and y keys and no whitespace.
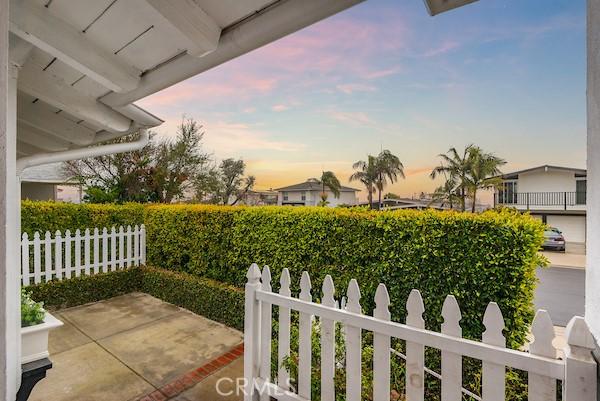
{"x":577,"y":370}
{"x":62,"y":255}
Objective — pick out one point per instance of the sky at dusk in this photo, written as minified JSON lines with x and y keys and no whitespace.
{"x":507,"y":75}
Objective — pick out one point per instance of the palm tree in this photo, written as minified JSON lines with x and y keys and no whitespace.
{"x":458,"y":167}
{"x":446,"y":192}
{"x":329,"y":180}
{"x":367,"y":174}
{"x":389,"y":168}
{"x":484,"y":172}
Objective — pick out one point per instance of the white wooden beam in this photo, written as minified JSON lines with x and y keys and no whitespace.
{"x":44,"y":119}
{"x":19,"y":50}
{"x":35,"y":24}
{"x":265,"y":27}
{"x":27,"y":149}
{"x":38,"y":138}
{"x":52,"y":90}
{"x":190,"y":19}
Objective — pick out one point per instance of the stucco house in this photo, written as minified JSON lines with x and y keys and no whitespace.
{"x":49,"y":182}
{"x":556,"y":195}
{"x":308,"y":193}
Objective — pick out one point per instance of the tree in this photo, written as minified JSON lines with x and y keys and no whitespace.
{"x":456,"y":166}
{"x":224,"y":185}
{"x":329,"y":180}
{"x":160,"y":172}
{"x":388,"y":168}
{"x":483,"y":173}
{"x":467,"y":173}
{"x":367,"y":175}
{"x":445,"y":193}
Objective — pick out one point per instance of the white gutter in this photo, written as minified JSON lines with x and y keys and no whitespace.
{"x":83,"y":153}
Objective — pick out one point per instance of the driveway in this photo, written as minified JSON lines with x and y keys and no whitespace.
{"x":561,"y":291}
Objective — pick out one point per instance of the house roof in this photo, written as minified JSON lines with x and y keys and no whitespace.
{"x":82,"y":64}
{"x":312,"y":184}
{"x":545,"y":167}
{"x":48,"y":174}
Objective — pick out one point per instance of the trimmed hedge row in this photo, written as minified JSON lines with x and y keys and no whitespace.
{"x":478,"y":258}
{"x":205,"y":297}
{"x":52,"y":216}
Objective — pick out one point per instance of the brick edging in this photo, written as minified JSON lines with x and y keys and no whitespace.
{"x":193,"y":377}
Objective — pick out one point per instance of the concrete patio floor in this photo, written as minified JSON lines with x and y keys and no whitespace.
{"x":137,"y":347}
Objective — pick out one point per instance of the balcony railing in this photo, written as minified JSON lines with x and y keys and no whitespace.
{"x":535,"y":199}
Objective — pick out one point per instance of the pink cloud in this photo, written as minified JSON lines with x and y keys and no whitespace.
{"x":352,"y":118}
{"x":280,"y":107}
{"x":225,"y":138}
{"x":348,"y":89}
{"x":442,"y":49}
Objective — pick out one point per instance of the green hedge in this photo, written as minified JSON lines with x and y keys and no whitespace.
{"x":205,"y":297}
{"x":478,"y":258}
{"x":85,"y":289}
{"x":212,"y":299}
{"x":52,"y":216}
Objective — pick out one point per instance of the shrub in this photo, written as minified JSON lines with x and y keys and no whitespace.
{"x":52,"y":216}
{"x":85,"y":289}
{"x":32,"y":312}
{"x":211,"y":299}
{"x":478,"y":258}
{"x":205,"y":297}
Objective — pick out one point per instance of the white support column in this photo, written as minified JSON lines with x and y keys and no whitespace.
{"x":10,"y":322}
{"x":592,"y":279}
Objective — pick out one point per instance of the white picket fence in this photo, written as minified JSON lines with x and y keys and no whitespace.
{"x":70,"y":255}
{"x":577,"y":370}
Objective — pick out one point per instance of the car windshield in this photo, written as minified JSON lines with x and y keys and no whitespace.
{"x":550,"y":233}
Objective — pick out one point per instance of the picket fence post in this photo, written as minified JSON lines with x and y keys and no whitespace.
{"x":136,"y":246}
{"x":381,"y":348}
{"x":86,"y":249}
{"x":143,"y":244}
{"x":25,"y":259}
{"x":580,"y":367}
{"x":283,"y":352}
{"x":251,"y":332}
{"x":493,"y":375}
{"x":451,"y":362}
{"x":415,"y":353}
{"x":37,"y":261}
{"x":68,"y":243}
{"x":96,"y":250}
{"x":113,"y":249}
{"x":58,"y":255}
{"x":328,"y":344}
{"x":48,"y":256}
{"x":266,"y":333}
{"x":542,"y":388}
{"x":104,"y":250}
{"x":304,"y":341}
{"x":353,"y":346}
{"x":77,"y":253}
{"x":129,"y":256}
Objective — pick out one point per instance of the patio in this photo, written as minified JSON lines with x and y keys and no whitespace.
{"x":136,"y":347}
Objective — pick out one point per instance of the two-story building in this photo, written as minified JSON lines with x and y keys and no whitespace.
{"x":557,"y":195}
{"x":308,"y":193}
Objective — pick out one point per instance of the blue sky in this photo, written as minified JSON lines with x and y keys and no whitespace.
{"x":508,"y":75}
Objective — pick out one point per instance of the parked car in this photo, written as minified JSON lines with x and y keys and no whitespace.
{"x":554,"y":240}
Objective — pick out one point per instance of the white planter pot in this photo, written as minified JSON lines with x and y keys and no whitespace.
{"x":34,"y":339}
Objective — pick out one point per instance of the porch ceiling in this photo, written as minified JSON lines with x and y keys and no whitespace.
{"x":82,"y":63}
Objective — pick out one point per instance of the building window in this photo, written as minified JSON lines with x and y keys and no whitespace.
{"x":508,"y":193}
{"x":285,"y":196}
{"x":303,"y":196}
{"x":581,"y":192}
